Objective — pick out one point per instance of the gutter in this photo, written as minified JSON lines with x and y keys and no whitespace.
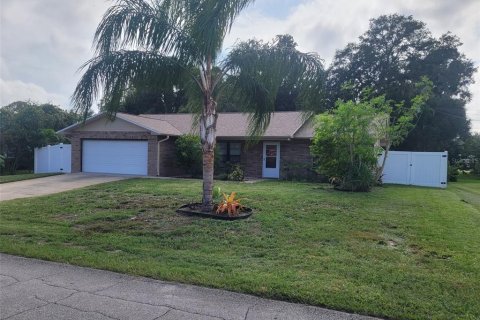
{"x":158,"y":154}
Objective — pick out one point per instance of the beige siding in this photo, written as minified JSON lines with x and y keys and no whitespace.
{"x":306,"y":130}
{"x":104,"y":124}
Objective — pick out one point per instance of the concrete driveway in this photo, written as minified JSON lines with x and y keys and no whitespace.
{"x":53,"y":184}
{"x":40,"y":290}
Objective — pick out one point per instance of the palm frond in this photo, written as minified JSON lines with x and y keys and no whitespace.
{"x":208,"y":21}
{"x":114,"y":72}
{"x":257,"y":70}
{"x":142,"y":24}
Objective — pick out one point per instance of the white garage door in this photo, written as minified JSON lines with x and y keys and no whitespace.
{"x":115,"y":156}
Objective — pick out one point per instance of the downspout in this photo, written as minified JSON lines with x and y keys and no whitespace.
{"x":158,"y":154}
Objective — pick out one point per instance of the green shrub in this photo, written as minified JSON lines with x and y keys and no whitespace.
{"x":2,"y":162}
{"x":236,"y":173}
{"x":217,"y":193}
{"x":229,"y":171}
{"x":344,"y":146}
{"x":359,"y":178}
{"x":189,"y":154}
{"x":188,"y":149}
{"x":476,"y":167}
{"x":453,"y":173}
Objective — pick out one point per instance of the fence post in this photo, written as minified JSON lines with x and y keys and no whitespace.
{"x":61,"y":156}
{"x":35,"y":160}
{"x":444,"y":169}
{"x":49,"y":165}
{"x":410,"y":168}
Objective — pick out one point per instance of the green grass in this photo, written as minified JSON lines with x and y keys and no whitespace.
{"x":25,"y":176}
{"x":468,"y":190}
{"x":397,"y":252}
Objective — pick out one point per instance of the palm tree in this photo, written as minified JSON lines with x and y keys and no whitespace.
{"x":170,"y":41}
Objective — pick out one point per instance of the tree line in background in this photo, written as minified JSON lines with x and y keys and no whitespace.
{"x":27,"y":125}
{"x":388,"y":60}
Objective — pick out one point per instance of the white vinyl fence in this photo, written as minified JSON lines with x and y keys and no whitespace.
{"x":55,"y":158}
{"x":428,"y":169}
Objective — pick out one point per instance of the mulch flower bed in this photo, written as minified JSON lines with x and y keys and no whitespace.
{"x":195,"y":209}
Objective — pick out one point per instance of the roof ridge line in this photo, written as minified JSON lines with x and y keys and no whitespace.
{"x":174,"y":126}
{"x":145,"y":126}
{"x":143,"y":116}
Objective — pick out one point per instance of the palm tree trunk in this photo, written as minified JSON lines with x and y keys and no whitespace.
{"x":208,"y":126}
{"x":208,"y":134}
{"x":208,"y":168}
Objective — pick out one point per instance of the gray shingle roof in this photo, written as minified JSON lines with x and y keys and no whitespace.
{"x":235,"y":125}
{"x":155,"y":125}
{"x":229,"y":125}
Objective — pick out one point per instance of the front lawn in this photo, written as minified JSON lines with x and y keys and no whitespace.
{"x":24,"y":176}
{"x":397,"y":252}
{"x":468,"y":189}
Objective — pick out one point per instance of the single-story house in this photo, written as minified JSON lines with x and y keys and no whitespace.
{"x":145,"y":144}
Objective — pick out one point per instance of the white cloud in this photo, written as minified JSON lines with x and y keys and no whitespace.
{"x":473,"y":108}
{"x":324,"y":26}
{"x":45,"y":41}
{"x":15,"y":90}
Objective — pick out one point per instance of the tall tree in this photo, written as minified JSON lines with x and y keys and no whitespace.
{"x":395,"y":120}
{"x":290,"y":95}
{"x":147,"y":97}
{"x":25,"y":126}
{"x":393,"y":55}
{"x":343,"y":144}
{"x":178,"y":39}
{"x":151,"y":99}
{"x":471,"y":151}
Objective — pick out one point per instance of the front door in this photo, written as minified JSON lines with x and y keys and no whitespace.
{"x":271,"y":160}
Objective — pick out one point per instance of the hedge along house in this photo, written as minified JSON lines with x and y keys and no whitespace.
{"x":145,"y":144}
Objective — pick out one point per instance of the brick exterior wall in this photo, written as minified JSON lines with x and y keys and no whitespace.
{"x":296,"y":160}
{"x":293,"y":151}
{"x":168,"y":159}
{"x":77,"y":137}
{"x":251,"y":160}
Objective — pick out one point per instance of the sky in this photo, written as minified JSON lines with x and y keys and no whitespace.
{"x":44,"y":42}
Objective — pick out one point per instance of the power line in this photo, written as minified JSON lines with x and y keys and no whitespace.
{"x":455,"y":115}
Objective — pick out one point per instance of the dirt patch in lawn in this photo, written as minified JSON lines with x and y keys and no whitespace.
{"x":148,"y":201}
{"x":424,"y":253}
{"x":131,"y":213}
{"x":143,"y":222}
